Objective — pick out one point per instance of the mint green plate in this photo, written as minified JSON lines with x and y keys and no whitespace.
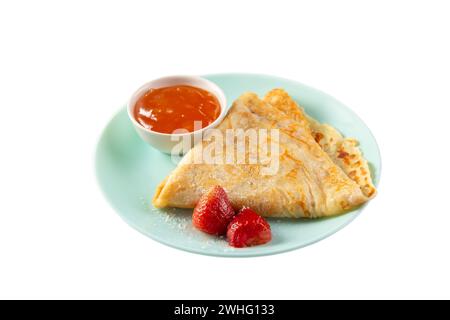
{"x":129,"y":170}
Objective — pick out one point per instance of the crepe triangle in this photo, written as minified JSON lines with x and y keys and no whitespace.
{"x":307,"y":184}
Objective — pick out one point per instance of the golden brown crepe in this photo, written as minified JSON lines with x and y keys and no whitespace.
{"x":307,"y":184}
{"x":343,"y":151}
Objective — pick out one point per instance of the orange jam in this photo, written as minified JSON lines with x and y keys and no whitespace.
{"x":167,"y":109}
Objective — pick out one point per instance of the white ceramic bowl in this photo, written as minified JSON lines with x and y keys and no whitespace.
{"x":165,"y":142}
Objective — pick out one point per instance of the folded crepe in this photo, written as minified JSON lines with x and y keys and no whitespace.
{"x":343,"y":151}
{"x":313,"y":179}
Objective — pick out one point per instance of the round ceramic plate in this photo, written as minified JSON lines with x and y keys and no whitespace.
{"x":129,"y":170}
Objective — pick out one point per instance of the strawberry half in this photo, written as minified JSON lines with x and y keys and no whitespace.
{"x":248,"y":229}
{"x":213,"y":212}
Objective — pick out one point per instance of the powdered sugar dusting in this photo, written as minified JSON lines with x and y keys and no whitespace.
{"x":179,"y":222}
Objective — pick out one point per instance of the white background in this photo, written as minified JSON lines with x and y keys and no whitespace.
{"x":66,"y":68}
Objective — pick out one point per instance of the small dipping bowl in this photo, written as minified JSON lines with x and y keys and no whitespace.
{"x":165,"y":142}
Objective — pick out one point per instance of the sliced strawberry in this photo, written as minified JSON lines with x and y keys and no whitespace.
{"x":213,"y":212}
{"x":248,"y":229}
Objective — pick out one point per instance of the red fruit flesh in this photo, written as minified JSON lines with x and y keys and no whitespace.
{"x":213,"y":212}
{"x":248,"y":229}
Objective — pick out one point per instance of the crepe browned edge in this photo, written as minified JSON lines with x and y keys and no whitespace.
{"x":344,"y":152}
